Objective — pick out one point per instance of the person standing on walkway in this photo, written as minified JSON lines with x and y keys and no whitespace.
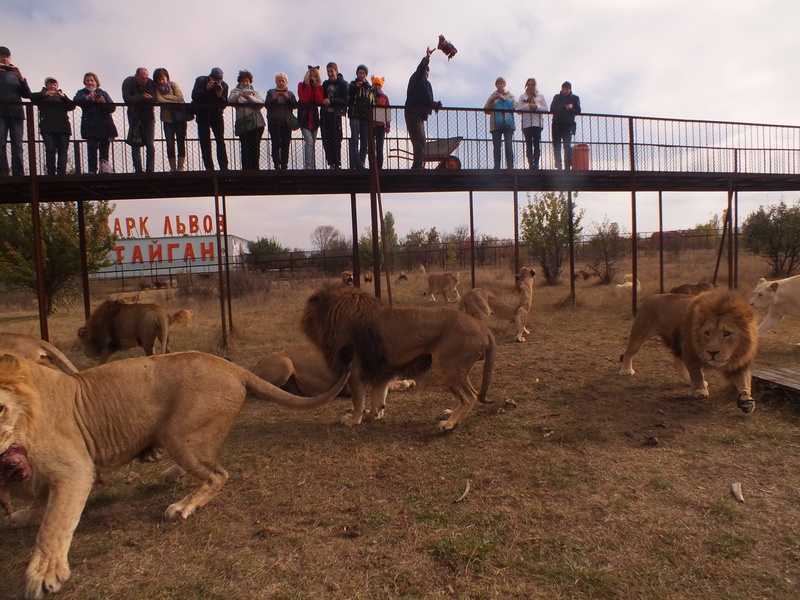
{"x":13,"y":88}
{"x":209,"y":99}
{"x":54,"y":127}
{"x":139,"y":93}
{"x":565,"y":106}
{"x":419,"y":106}
{"x":531,"y":104}
{"x":334,"y":103}
{"x":500,"y":107}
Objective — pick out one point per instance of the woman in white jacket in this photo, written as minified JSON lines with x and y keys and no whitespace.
{"x":530,"y":104}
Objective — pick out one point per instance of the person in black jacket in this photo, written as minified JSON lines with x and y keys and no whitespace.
{"x":564,"y":107}
{"x":13,"y":88}
{"x":209,"y":99}
{"x":139,"y":93}
{"x":419,"y":105}
{"x":54,"y":125}
{"x":335,"y":95}
{"x":97,"y":124}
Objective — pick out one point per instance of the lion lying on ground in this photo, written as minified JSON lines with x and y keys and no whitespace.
{"x":74,"y":425}
{"x":302,"y":370}
{"x":715,"y":329}
{"x":35,"y":349}
{"x":505,"y":304}
{"x":398,"y":342}
{"x":445,"y":284}
{"x":693,"y":288}
{"x":117,"y":325}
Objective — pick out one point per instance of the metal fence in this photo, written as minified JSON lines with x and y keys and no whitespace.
{"x":612,"y":142}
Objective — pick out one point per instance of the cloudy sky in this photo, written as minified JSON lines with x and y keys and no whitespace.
{"x":730,"y":60}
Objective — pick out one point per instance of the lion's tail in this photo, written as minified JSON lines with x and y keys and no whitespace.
{"x":163,"y":323}
{"x":265,"y":390}
{"x":58,"y":358}
{"x":488,"y":366}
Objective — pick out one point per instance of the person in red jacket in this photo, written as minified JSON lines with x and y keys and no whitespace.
{"x":310,"y":96}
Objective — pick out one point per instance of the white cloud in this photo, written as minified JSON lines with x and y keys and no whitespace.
{"x":711,"y":60}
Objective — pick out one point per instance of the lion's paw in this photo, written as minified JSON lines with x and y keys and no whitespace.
{"x":446,"y":426}
{"x":700,"y":393}
{"x":179,"y":509}
{"x":629,"y":371}
{"x":350,"y":420}
{"x":521,"y":338}
{"x":746,"y":403}
{"x":45,"y":575}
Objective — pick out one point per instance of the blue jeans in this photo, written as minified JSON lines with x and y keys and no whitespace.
{"x":358,"y":142}
{"x":56,"y":144}
{"x":10,"y":125}
{"x":149,"y":134}
{"x":309,"y":147}
{"x":508,"y":134}
{"x":173,"y":131}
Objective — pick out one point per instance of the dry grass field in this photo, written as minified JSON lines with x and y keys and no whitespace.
{"x":596,"y":486}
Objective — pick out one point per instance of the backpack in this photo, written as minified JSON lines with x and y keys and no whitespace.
{"x":504,"y":120}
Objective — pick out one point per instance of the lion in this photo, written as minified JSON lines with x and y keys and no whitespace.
{"x":73,"y":426}
{"x":302,"y":370}
{"x":716,"y":329}
{"x":422,"y":269}
{"x":779,"y":298}
{"x":445,"y":284}
{"x":401,"y":277}
{"x":115,"y":326}
{"x":391,"y":342}
{"x":347,"y":277}
{"x":693,"y":288}
{"x":368,"y":276}
{"x":505,"y":304}
{"x":37,"y":350}
{"x":182,"y":318}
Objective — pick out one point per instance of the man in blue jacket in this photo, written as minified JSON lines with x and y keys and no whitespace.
{"x":13,"y":88}
{"x":419,"y":105}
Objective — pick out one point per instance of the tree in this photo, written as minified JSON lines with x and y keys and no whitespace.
{"x":605,"y":248}
{"x":60,"y":245}
{"x":265,"y":254}
{"x":774,"y":234}
{"x":392,"y":242}
{"x":325,"y":237}
{"x":545,"y":230}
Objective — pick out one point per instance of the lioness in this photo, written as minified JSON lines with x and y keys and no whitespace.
{"x":504,"y":304}
{"x":445,"y":284}
{"x":302,"y":370}
{"x":779,"y":298}
{"x":715,"y":329}
{"x":391,"y":342}
{"x":37,"y":350}
{"x":182,"y":318}
{"x":117,"y":325}
{"x":74,"y":425}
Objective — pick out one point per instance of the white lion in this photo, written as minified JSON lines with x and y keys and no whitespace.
{"x":779,"y":298}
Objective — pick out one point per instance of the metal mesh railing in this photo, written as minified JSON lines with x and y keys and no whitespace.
{"x":615,"y":143}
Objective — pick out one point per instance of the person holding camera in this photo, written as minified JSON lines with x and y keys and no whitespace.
{"x":54,"y":126}
{"x":13,"y":88}
{"x":97,"y":124}
{"x":209,"y":99}
{"x":565,"y":106}
{"x":139,"y":93}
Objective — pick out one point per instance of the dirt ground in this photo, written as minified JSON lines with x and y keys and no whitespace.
{"x":596,"y":485}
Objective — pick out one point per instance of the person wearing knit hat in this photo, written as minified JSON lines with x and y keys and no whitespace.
{"x":360,"y":100}
{"x":382,"y":119}
{"x":54,"y":107}
{"x":209,"y":99}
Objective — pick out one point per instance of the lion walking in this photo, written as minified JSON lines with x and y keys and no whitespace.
{"x":504,"y":304}
{"x":444,"y":284}
{"x":116,"y":325}
{"x":398,"y":342}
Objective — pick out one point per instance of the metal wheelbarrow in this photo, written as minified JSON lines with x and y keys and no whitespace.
{"x":436,"y":151}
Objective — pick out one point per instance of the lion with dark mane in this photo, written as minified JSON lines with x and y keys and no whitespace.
{"x":64,"y":429}
{"x":716,"y":329}
{"x":116,"y":325}
{"x":398,"y":342}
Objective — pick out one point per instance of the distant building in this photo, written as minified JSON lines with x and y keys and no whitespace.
{"x":165,"y":256}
